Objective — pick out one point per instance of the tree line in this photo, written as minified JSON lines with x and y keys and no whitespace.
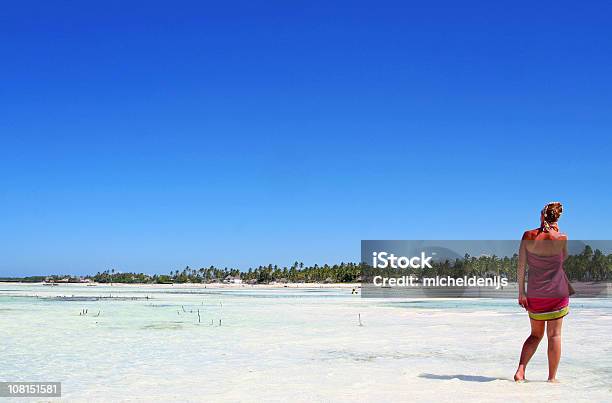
{"x":589,"y":265}
{"x":296,"y":273}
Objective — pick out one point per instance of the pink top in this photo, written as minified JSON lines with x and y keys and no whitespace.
{"x":546,"y":277}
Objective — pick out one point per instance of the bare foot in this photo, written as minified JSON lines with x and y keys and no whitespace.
{"x":520,"y":375}
{"x":554,"y":380}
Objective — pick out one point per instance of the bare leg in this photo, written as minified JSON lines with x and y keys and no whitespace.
{"x":553,"y":331}
{"x":529,"y":347}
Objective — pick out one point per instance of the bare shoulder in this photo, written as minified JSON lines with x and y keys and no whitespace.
{"x":531,"y":234}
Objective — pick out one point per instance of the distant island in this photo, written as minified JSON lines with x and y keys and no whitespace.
{"x":588,"y":265}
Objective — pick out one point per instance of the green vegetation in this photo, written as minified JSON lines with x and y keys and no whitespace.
{"x":341,"y":273}
{"x":589,"y":265}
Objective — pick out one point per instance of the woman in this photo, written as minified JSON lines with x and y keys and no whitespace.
{"x":543,"y":250}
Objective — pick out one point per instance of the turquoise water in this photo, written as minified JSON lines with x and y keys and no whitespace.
{"x":253,"y":344}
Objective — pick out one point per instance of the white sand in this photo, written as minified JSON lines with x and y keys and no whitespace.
{"x":291,"y":345}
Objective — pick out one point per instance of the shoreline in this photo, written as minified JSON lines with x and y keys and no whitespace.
{"x":583,"y":289}
{"x":195,"y":285}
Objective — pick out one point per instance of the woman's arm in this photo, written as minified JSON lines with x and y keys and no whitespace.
{"x":522,"y":263}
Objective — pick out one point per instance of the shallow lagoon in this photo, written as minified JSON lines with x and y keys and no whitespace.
{"x":289,"y":344}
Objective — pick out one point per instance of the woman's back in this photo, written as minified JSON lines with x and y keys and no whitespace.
{"x":545,"y":243}
{"x":546,"y":299}
{"x":545,"y":252}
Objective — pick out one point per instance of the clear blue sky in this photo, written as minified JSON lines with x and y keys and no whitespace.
{"x":147,"y":136}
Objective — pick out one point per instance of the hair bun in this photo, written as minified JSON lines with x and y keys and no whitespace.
{"x":553,"y":211}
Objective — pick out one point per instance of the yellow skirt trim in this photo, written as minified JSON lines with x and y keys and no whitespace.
{"x":549,"y":315}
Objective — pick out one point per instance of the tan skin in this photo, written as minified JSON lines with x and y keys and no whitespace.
{"x":532,"y":242}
